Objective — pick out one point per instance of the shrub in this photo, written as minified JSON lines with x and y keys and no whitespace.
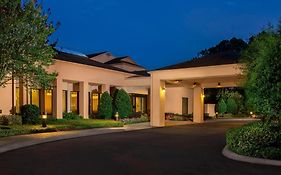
{"x":30,"y":114}
{"x":71,"y":116}
{"x":142,"y":118}
{"x":222,"y":108}
{"x":105,"y":107}
{"x":231,"y":106}
{"x":256,"y":139}
{"x":10,"y":120}
{"x":122,"y":103}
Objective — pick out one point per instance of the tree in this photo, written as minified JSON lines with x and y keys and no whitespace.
{"x":222,"y":108}
{"x":105,"y":107}
{"x":122,"y":103}
{"x":25,"y":53}
{"x":262,"y":69}
{"x":234,"y":45}
{"x":232,"y":107}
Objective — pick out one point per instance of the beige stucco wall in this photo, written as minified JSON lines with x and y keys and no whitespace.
{"x":174,"y":97}
{"x":6,"y":99}
{"x":210,"y":109}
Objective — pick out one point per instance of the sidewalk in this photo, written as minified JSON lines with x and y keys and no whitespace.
{"x":20,"y":141}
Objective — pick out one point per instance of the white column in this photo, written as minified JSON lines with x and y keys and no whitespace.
{"x":68,"y":109}
{"x":83,"y":99}
{"x":157,"y":102}
{"x":105,"y":87}
{"x":57,"y":99}
{"x":198,"y":105}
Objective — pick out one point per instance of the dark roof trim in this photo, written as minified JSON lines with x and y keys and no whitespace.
{"x":87,"y":61}
{"x":210,"y":60}
{"x":96,"y":54}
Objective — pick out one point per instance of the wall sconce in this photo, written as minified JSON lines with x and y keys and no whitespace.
{"x":163,"y":89}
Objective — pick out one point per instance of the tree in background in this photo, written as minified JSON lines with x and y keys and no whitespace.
{"x":232,"y":107}
{"x":262,"y":67}
{"x":222,"y":108}
{"x":122,"y":103}
{"x":105,"y":107}
{"x":24,"y":49}
{"x":233,"y":45}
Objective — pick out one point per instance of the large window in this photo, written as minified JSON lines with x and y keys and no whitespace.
{"x":48,"y":101}
{"x":35,"y":97}
{"x":64,"y":101}
{"x":139,"y":103}
{"x":74,"y":102}
{"x":95,"y":102}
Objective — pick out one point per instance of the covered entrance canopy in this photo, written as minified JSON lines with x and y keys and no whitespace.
{"x":187,"y":80}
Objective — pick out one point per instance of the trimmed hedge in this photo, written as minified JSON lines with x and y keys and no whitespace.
{"x":256,"y":139}
{"x":105,"y":107}
{"x":122,"y":103}
{"x":232,"y":106}
{"x":222,"y":108}
{"x":30,"y":114}
{"x":71,"y":116}
{"x":10,"y":120}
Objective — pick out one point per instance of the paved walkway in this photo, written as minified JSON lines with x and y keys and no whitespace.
{"x":20,"y":141}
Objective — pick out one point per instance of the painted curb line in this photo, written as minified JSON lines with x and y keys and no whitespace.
{"x":83,"y":133}
{"x":231,"y":155}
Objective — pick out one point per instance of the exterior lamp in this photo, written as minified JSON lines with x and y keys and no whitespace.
{"x":219,"y":85}
{"x":163,"y":89}
{"x":116,"y":116}
{"x":44,"y":120}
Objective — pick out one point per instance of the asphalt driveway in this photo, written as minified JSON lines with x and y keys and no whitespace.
{"x":189,"y":149}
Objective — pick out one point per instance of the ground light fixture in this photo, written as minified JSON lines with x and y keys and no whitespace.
{"x":44,"y":120}
{"x":116,"y":116}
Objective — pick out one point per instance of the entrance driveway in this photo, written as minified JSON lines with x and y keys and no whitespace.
{"x":187,"y":149}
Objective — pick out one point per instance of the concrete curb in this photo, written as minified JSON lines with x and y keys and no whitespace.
{"x":231,"y":155}
{"x":22,"y":141}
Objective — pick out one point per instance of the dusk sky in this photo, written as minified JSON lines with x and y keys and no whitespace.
{"x":157,"y":33}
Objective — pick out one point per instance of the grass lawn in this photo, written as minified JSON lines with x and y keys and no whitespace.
{"x":57,"y":125}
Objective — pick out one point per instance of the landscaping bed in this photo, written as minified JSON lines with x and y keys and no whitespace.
{"x":57,"y":125}
{"x":256,"y":139}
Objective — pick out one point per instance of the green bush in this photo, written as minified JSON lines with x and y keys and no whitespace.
{"x":10,"y":120}
{"x":256,"y":139}
{"x":141,"y":119}
{"x":122,"y":103}
{"x":231,"y":106}
{"x":105,"y":107}
{"x":71,"y":116}
{"x":222,"y":108}
{"x":30,"y":114}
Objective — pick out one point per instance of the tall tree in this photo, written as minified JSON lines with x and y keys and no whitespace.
{"x":25,"y":52}
{"x":262,"y":67}
{"x":234,"y":45}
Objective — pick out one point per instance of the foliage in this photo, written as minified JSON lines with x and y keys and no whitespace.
{"x":10,"y":120}
{"x":105,"y":107}
{"x":141,"y":119}
{"x":236,"y":95}
{"x":71,"y":116}
{"x":122,"y":103}
{"x":262,"y":69}
{"x":256,"y":139}
{"x":232,"y":107}
{"x":30,"y":114}
{"x":54,"y":125}
{"x":234,"y":45}
{"x":222,"y":108}
{"x":24,"y":50}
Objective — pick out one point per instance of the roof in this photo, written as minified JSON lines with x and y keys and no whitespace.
{"x":84,"y":60}
{"x":210,"y":60}
{"x":120,"y":60}
{"x":96,"y":54}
